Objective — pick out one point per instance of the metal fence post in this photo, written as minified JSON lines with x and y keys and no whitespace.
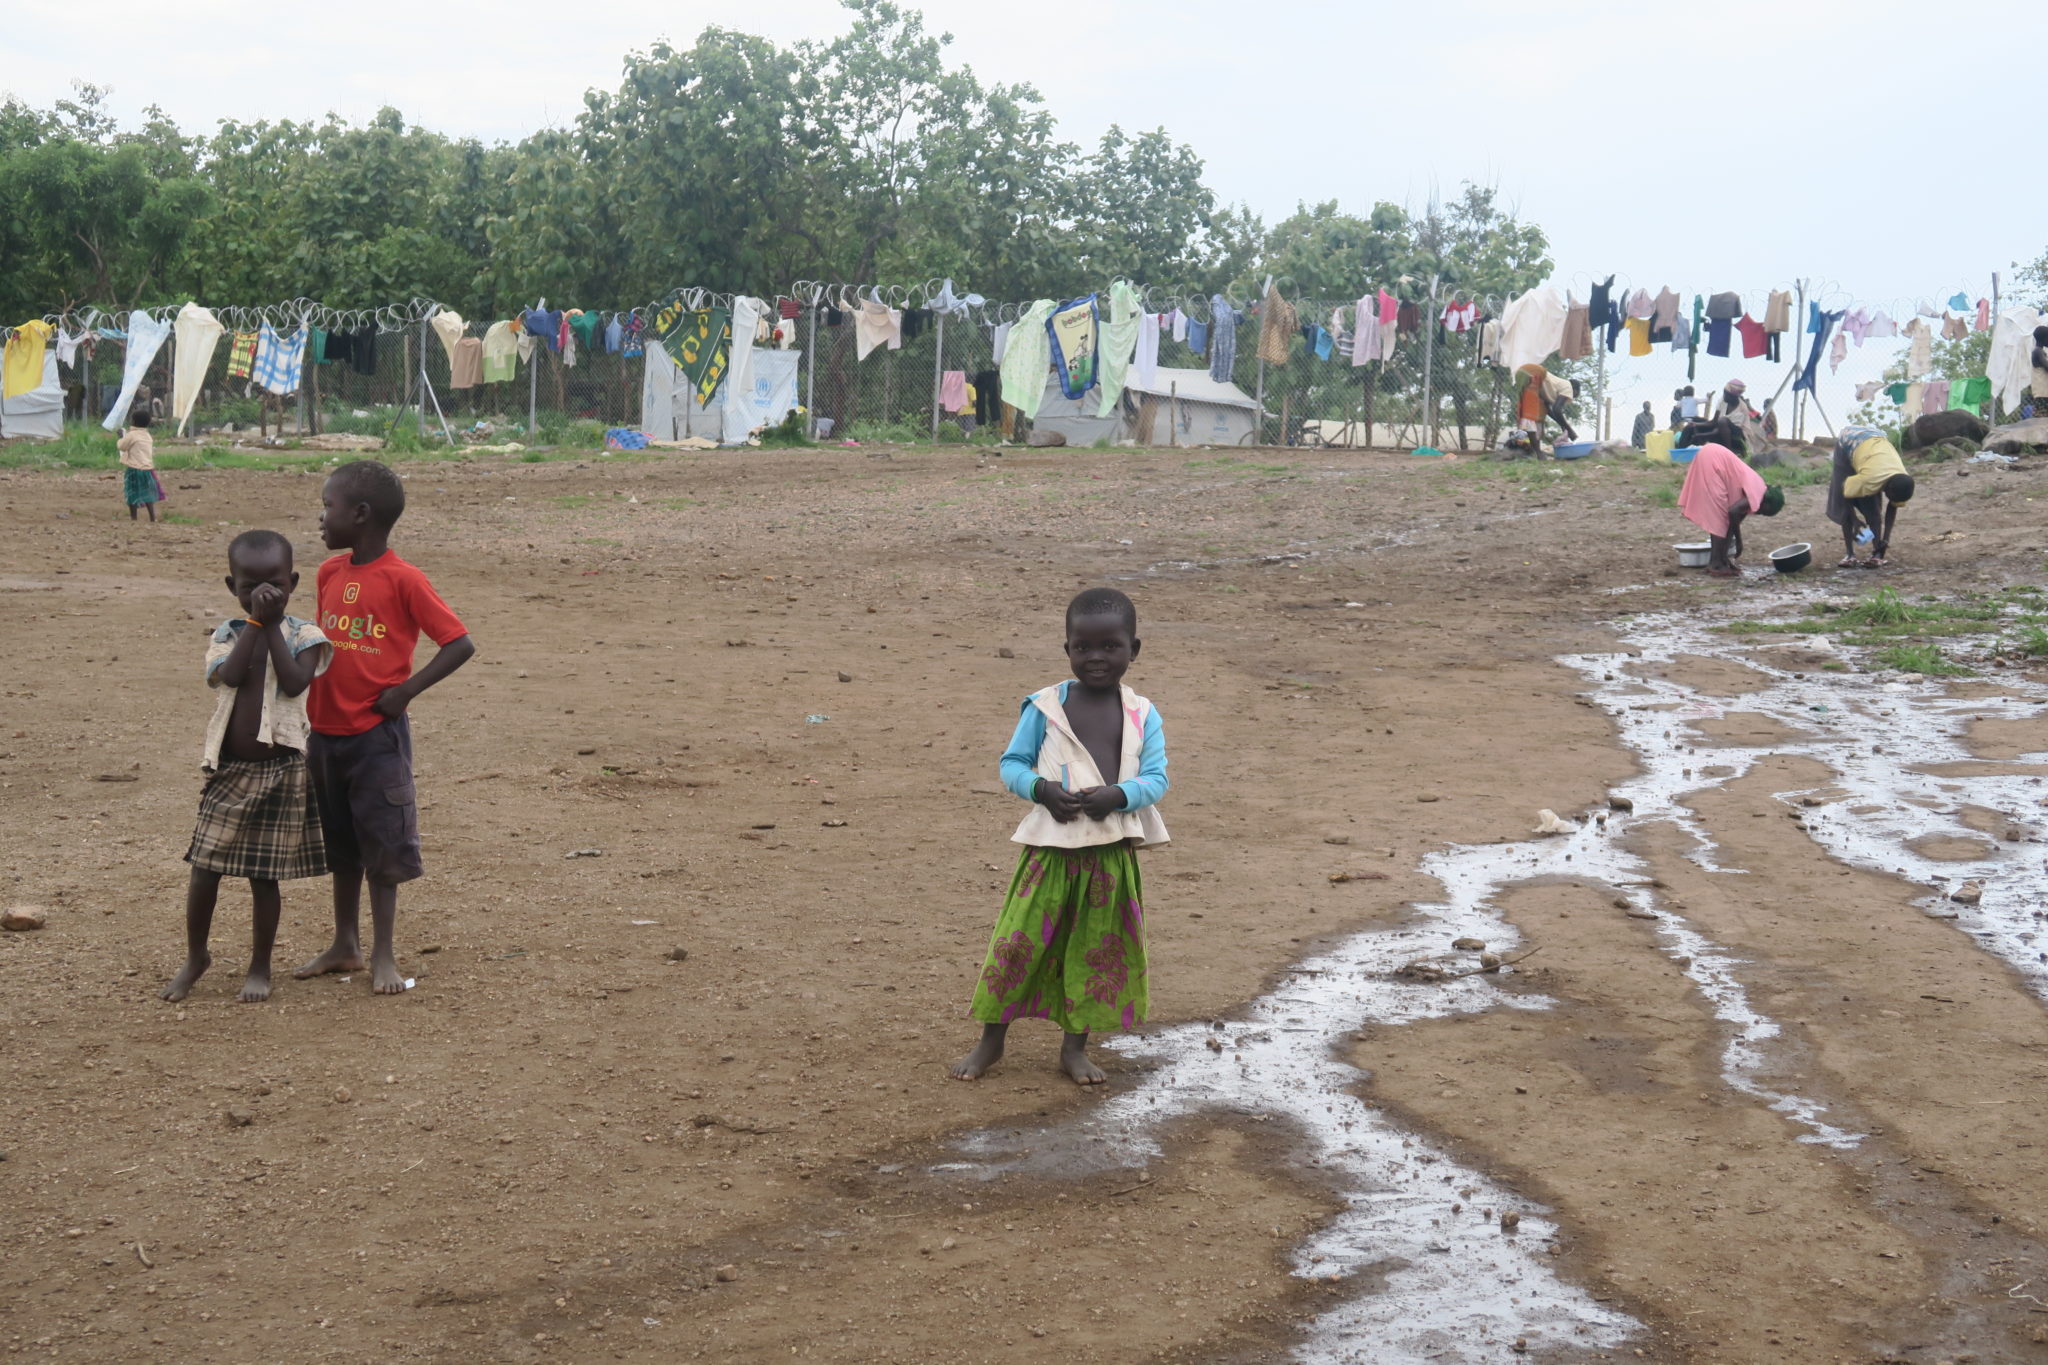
{"x":811,"y":377}
{"x":1428,"y":364}
{"x":1798,"y":366}
{"x":938,"y":366}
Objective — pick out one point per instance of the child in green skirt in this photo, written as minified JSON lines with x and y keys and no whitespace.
{"x":139,"y":487}
{"x":1069,"y":944}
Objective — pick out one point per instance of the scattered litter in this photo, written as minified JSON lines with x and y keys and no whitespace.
{"x":1547,"y":822}
{"x":643,"y":922}
{"x":816,"y":719}
{"x":584,"y":853}
{"x":1358,"y":876}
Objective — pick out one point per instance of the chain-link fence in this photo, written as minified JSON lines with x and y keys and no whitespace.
{"x":1428,"y":387}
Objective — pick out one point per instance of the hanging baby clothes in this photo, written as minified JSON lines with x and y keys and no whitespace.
{"x":241,"y":355}
{"x":466,"y":366}
{"x":1953,"y":328}
{"x":1180,"y":325}
{"x":614,"y":336}
{"x":1145,"y":360}
{"x":1278,"y":322}
{"x":875,"y":324}
{"x":1664,"y":315}
{"x":1881,"y":326}
{"x":1983,"y":315}
{"x":953,"y":390}
{"x":1838,"y":351}
{"x":1071,"y":332}
{"x":198,"y":333}
{"x":1119,"y":345}
{"x":1389,"y":309}
{"x":1937,"y":397}
{"x":1460,"y":317}
{"x":1638,"y":336}
{"x":68,"y":344}
{"x":1598,"y":310}
{"x":280,"y":361}
{"x":1322,"y":343}
{"x":1026,"y":359}
{"x":635,"y":329}
{"x":1577,"y":342}
{"x":1754,"y":339}
{"x":1969,"y":394}
{"x":500,"y":353}
{"x":1959,"y":300}
{"x":1866,"y":392}
{"x":1778,"y":311}
{"x":1641,"y":305}
{"x":1223,"y":337}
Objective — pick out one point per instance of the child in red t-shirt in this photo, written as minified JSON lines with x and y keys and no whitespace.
{"x":373,"y":607}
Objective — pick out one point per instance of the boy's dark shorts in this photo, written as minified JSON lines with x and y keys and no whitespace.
{"x":368,"y":811}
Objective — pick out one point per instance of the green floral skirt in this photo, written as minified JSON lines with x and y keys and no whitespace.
{"x":139,"y":486}
{"x":1069,"y":945}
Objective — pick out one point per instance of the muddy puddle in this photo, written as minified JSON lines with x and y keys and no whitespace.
{"x":1438,"y":1277}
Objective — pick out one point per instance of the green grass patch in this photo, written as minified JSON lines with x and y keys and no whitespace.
{"x":2032,"y":641}
{"x":1920,"y":658}
{"x":1747,"y":627}
{"x":573,"y":501}
{"x":1664,"y":495}
{"x":182,"y":519}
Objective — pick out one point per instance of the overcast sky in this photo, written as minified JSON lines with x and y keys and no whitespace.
{"x":1734,"y":146}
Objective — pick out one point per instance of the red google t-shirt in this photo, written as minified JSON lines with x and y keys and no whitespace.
{"x":374,"y":613}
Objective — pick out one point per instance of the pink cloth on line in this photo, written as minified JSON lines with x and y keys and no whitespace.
{"x":1937,"y":397}
{"x":953,"y":390}
{"x":1714,"y":482}
{"x":1390,"y":309}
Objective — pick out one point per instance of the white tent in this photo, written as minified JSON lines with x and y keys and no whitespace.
{"x":1178,"y":407}
{"x":39,"y":413}
{"x":669,"y":410}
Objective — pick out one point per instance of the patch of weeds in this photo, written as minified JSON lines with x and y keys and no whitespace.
{"x":1926,"y":659}
{"x":1748,"y":627}
{"x":1883,"y":609}
{"x":790,"y":432}
{"x":573,"y":501}
{"x":182,"y":519}
{"x":534,"y":457}
{"x":1664,"y":495}
{"x":2032,"y":642}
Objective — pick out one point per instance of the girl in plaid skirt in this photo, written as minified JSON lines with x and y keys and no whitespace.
{"x":256,"y":816}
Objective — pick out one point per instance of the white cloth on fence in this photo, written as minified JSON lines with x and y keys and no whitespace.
{"x":1027,"y":358}
{"x":450,"y":328}
{"x":1180,"y":325}
{"x":999,"y":340}
{"x":1117,"y":345}
{"x":874,"y":324}
{"x":2011,"y":366}
{"x":1365,"y":337}
{"x":280,"y":362}
{"x":658,"y":394}
{"x":1145,"y":361}
{"x":1531,"y":327}
{"x":737,"y":403}
{"x":68,"y":344}
{"x":198,"y":333}
{"x":146,"y":337}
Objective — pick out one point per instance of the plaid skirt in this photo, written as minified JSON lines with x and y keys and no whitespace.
{"x":140,"y":486}
{"x":257,"y":820}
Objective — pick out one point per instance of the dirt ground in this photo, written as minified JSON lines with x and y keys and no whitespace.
{"x":768,"y":690}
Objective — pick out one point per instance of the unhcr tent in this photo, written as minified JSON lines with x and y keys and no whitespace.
{"x":39,"y":413}
{"x":669,"y":409}
{"x":1178,"y":407}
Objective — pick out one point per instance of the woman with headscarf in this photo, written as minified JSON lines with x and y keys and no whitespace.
{"x":1545,"y":395}
{"x":1868,"y":483}
{"x":1720,"y":492}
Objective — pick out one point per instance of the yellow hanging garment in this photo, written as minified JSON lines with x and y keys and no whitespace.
{"x":21,"y":365}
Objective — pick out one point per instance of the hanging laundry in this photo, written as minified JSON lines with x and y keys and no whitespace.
{"x":1718,"y":335}
{"x":1489,"y":342}
{"x":1920,"y":348}
{"x":698,"y":340}
{"x":2010,"y":366}
{"x":914,"y":320}
{"x":945,"y":301}
{"x":1954,"y":328}
{"x":1277,"y":325}
{"x":21,"y":364}
{"x":953,"y":390}
{"x":544,"y":326}
{"x":1577,"y":342}
{"x":1866,"y":392}
{"x":1937,"y":397}
{"x":1638,"y":336}
{"x":1812,"y":318}
{"x":1119,"y":345}
{"x":68,"y":344}
{"x":1598,"y":309}
{"x":316,"y":346}
{"x":1145,"y":360}
{"x":999,"y":341}
{"x":1856,"y":323}
{"x":568,"y":340}
{"x":1969,"y":394}
{"x":1026,"y":359}
{"x":1810,"y":376}
{"x":1983,"y":315}
{"x":500,"y":353}
{"x":1926,"y":309}
{"x":450,"y":328}
{"x":1692,"y":349}
{"x":1321,"y":343}
{"x":1681,"y":335}
{"x":582,"y":326}
{"x":1959,"y":301}
{"x":1617,"y":318}
{"x":1072,"y":333}
{"x":1881,"y":326}
{"x":1755,"y":341}
{"x":1838,"y":351}
{"x":1531,"y":328}
{"x":1664,"y":313}
{"x":615,"y":335}
{"x":875,"y":324}
{"x":636,"y":328}
{"x":1408,"y":318}
{"x":1223,"y":335}
{"x":1461,"y":317}
{"x":1724,"y":307}
{"x":988,"y":397}
{"x":1641,"y":305}
{"x":241,"y":355}
{"x":1916,"y":399}
{"x":198,"y":332}
{"x":1198,"y":338}
{"x":280,"y":361}
{"x":1389,"y":310}
{"x":1180,"y":325}
{"x":1365,"y":343}
{"x":1778,"y":311}
{"x":466,"y":366}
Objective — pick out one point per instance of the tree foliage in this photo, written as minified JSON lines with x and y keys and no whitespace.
{"x":734,"y":164}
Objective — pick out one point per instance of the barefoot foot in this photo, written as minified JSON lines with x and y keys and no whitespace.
{"x":255,"y":986}
{"x":1080,"y":1069}
{"x":975,"y":1064}
{"x":181,"y":985}
{"x":339,"y":958}
{"x":385,"y":978}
